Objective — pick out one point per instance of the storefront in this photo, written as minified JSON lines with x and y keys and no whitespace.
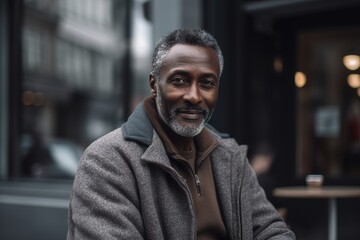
{"x":71,"y":71}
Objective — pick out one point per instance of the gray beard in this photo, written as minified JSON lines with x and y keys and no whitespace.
{"x":173,"y":124}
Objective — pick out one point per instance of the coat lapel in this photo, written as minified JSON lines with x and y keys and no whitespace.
{"x":156,"y":153}
{"x":221,"y":163}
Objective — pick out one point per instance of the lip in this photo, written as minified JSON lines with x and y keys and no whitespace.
{"x":191,"y":115}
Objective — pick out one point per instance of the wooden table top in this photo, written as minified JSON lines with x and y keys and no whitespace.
{"x":321,"y":192}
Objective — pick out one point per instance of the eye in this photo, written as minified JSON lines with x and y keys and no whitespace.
{"x":208,"y":83}
{"x":179,"y":80}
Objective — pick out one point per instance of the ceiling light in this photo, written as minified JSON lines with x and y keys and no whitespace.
{"x":300,"y":79}
{"x":351,"y":62}
{"x":354,"y":80}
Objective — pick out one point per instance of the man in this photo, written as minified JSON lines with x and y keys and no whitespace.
{"x":165,"y":174}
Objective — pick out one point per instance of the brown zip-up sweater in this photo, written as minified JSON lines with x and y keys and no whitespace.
{"x":194,"y":165}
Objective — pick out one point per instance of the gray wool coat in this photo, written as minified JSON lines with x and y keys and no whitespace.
{"x":125,"y":188}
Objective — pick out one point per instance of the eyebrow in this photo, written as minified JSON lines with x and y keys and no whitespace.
{"x":181,"y":72}
{"x":212,"y":75}
{"x":186,"y":73}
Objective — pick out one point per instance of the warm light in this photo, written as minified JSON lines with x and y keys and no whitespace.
{"x":351,"y":62}
{"x":354,"y":80}
{"x":28,"y":98}
{"x":358,"y":92}
{"x":300,"y":79}
{"x":38,"y":99}
{"x":278,"y":65}
{"x":35,"y":99}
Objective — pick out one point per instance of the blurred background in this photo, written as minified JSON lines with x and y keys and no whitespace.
{"x":73,"y":70}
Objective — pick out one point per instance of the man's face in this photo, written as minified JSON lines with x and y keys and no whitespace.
{"x":187,"y":90}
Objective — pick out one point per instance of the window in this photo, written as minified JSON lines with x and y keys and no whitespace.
{"x":74,"y":82}
{"x":328,"y":102}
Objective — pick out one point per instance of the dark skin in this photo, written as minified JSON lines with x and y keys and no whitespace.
{"x":189,"y":75}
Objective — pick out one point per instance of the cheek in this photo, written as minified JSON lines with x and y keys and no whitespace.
{"x":211,"y":99}
{"x":168,"y":99}
{"x":171,"y":96}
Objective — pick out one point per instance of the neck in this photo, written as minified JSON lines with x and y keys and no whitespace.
{"x":184,"y":143}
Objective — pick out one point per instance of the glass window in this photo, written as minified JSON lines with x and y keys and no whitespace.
{"x":75,"y":58}
{"x":328,"y":102}
{"x":3,"y":90}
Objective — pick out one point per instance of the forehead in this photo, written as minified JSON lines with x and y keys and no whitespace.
{"x":189,"y":55}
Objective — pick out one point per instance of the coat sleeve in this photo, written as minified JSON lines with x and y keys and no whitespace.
{"x":266,"y":221}
{"x":104,"y":202}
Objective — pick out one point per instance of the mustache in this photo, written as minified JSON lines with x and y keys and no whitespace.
{"x":195,"y":108}
{"x":187,"y":108}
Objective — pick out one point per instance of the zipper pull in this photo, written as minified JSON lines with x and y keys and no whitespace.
{"x":198,"y":187}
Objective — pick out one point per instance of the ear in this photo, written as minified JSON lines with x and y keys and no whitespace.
{"x":152,"y":82}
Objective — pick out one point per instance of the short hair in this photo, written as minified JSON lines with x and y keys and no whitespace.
{"x":191,"y":36}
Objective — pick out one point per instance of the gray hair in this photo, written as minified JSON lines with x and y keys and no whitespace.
{"x":194,"y":36}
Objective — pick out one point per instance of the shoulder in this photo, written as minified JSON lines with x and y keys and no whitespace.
{"x":227,"y":142}
{"x":112,"y":148}
{"x":111,"y":140}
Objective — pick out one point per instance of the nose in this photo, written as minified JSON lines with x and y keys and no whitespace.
{"x":193,"y":95}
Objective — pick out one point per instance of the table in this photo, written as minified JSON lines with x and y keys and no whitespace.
{"x":329,"y":192}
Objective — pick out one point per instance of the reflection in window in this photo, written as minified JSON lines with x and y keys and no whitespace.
{"x":328,"y":105}
{"x":73,"y":66}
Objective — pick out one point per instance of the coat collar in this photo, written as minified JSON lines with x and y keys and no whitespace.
{"x":139,"y":128}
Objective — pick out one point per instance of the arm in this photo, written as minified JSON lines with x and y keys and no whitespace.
{"x":266,"y":221}
{"x":104,"y":203}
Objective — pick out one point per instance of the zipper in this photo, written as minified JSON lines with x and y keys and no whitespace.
{"x":195,"y":175}
{"x":198,"y":185}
